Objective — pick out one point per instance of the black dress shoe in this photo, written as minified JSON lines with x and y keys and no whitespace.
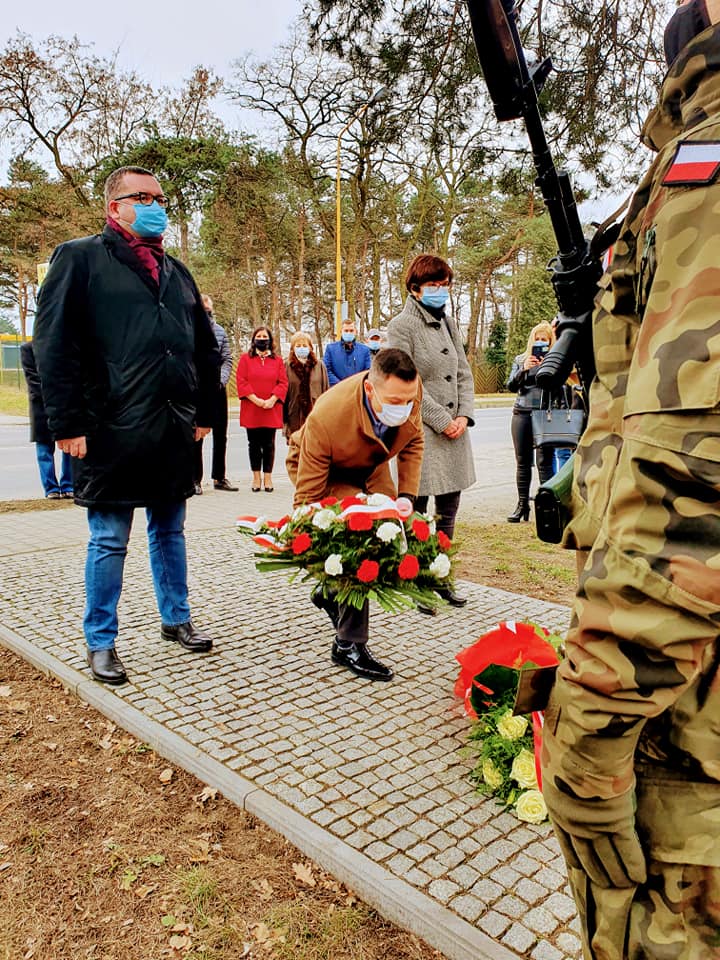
{"x":428,"y":611}
{"x":452,"y":598}
{"x":106,"y":666}
{"x":224,"y":484}
{"x":187,"y":636}
{"x":358,"y":658}
{"x":325,"y":603}
{"x":198,"y":490}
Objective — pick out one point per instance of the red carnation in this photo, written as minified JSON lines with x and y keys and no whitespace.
{"x":368,"y":571}
{"x":409,"y":567}
{"x":350,"y":502}
{"x":301,"y":543}
{"x":360,"y":521}
{"x":328,"y":501}
{"x":444,"y":540}
{"x":421,"y":530}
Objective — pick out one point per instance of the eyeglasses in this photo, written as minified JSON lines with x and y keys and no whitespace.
{"x":145,"y":199}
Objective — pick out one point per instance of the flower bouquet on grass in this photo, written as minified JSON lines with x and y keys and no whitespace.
{"x":511,"y":657}
{"x":357,"y":549}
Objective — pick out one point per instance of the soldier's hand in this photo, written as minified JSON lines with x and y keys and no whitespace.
{"x":597,"y":836}
{"x":75,"y":446}
{"x":201,"y":432}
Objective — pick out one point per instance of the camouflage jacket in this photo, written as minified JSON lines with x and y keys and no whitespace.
{"x":639,"y":685}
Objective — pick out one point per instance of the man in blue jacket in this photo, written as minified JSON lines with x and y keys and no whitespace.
{"x":346,"y":356}
{"x":129,"y":370}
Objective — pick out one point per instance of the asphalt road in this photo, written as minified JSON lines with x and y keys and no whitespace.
{"x":491,"y":497}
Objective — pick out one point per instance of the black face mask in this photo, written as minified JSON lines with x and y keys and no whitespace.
{"x":686,"y":23}
{"x":262,"y":345}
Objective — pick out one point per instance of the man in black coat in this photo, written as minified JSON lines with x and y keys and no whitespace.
{"x":40,"y":434}
{"x":129,"y":368}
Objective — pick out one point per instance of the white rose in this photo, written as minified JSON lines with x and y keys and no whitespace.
{"x":301,"y":511}
{"x":333,"y":565}
{"x":523,"y":770}
{"x":491,"y":775}
{"x":510,"y":727}
{"x":440,"y":567}
{"x":530,"y":807}
{"x":379,"y":500}
{"x":387,"y":531}
{"x":323,"y":519}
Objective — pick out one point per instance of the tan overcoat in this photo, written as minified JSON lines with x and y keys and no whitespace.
{"x":336,"y":453}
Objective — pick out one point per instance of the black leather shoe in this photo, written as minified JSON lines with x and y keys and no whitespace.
{"x":452,"y":598}
{"x":326,"y":604}
{"x":187,"y":636}
{"x":428,"y":611}
{"x":224,"y":484}
{"x":198,"y":490}
{"x":106,"y":666}
{"x":358,"y":658}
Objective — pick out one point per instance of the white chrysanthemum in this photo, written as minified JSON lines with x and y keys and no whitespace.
{"x":333,"y":565}
{"x":530,"y":807}
{"x":301,"y":511}
{"x":387,"y":531}
{"x":379,"y":500}
{"x":323,"y":519}
{"x":440,"y":567}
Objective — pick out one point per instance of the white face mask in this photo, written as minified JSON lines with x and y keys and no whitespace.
{"x":394,"y":414}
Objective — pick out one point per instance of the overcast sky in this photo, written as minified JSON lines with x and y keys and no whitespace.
{"x":163,"y":41}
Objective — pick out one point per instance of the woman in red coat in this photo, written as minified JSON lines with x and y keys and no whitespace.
{"x":261,"y":386}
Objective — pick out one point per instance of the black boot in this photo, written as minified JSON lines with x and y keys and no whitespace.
{"x":357,"y":657}
{"x":522,"y":511}
{"x":187,"y":636}
{"x":106,"y":666}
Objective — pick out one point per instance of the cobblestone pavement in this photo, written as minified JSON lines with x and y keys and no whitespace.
{"x":380,"y":767}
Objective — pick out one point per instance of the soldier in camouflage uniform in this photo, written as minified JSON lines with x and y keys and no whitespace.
{"x":631,"y":754}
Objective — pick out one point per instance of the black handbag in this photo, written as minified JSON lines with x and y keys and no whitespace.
{"x":556,"y":426}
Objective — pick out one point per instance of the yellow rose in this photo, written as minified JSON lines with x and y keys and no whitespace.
{"x":530,"y":807}
{"x":523,"y":770}
{"x":491,"y":775}
{"x":510,"y":727}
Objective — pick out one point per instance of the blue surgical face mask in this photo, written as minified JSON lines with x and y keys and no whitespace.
{"x":150,"y":221}
{"x":435,"y":297}
{"x":347,"y":336}
{"x":374,"y":345}
{"x":394,"y":414}
{"x":302,"y":353}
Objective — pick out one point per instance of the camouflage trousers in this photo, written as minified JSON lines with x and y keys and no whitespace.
{"x":675,"y":915}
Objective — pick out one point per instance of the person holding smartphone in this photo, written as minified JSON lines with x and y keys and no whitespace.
{"x":529,"y":398}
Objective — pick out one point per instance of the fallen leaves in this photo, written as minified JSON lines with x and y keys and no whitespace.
{"x":5,"y":691}
{"x":166,"y":776}
{"x":303,"y":873}
{"x":207,"y":793}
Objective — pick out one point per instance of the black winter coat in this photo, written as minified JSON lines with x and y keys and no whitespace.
{"x":39,"y":430}
{"x":130,"y":366}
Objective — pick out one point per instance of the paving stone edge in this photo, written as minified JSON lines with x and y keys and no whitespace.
{"x":392,"y":897}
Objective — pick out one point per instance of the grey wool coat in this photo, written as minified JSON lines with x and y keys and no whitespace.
{"x":436,"y":348}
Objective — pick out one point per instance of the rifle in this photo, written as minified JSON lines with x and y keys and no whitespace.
{"x":514,"y":87}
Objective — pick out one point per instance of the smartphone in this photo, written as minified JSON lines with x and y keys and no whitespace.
{"x":540,"y":349}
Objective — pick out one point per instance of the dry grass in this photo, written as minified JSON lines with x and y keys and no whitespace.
{"x":109,"y":853}
{"x":510,"y":557}
{"x":13,"y":400}
{"x":24,"y":506}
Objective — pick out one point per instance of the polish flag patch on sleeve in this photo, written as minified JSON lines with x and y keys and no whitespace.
{"x":695,"y":163}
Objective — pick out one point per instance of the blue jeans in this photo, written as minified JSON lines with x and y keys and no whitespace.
{"x":107,"y":549}
{"x":45,"y":453}
{"x":562,"y":455}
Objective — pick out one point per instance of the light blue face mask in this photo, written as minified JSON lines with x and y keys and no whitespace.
{"x":374,"y":345}
{"x":150,"y":221}
{"x":302,"y":353}
{"x":347,"y":337}
{"x":435,"y":297}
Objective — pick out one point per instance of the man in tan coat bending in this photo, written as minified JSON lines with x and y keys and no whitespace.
{"x":342,"y":449}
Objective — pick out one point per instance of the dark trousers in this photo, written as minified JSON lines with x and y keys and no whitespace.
{"x":261,"y":448}
{"x":522,"y":436}
{"x":446,"y":506}
{"x":219,"y":441}
{"x":351,"y":625}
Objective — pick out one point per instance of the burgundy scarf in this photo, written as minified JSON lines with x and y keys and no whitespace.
{"x":148,"y":250}
{"x":303,"y":371}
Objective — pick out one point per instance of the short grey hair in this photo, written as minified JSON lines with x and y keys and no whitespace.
{"x":112,"y":184}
